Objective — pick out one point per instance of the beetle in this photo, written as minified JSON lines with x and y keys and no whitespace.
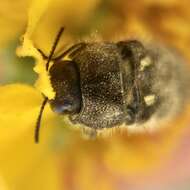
{"x":108,"y":84}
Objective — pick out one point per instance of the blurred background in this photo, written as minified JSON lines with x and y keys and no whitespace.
{"x":65,"y":160}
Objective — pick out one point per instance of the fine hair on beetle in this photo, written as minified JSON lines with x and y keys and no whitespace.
{"x":104,"y":85}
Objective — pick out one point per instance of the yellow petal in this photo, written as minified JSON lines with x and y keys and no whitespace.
{"x":3,"y":185}
{"x":18,"y":103}
{"x":24,"y":164}
{"x":28,"y":49}
{"x":13,"y":19}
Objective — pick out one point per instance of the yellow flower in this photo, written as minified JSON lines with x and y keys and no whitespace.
{"x":64,"y":160}
{"x":23,"y":164}
{"x":13,"y":19}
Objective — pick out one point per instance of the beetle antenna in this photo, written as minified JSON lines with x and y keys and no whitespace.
{"x":71,"y":51}
{"x":54,"y":47}
{"x":37,"y":129}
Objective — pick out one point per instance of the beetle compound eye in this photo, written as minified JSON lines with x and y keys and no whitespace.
{"x":65,"y":106}
{"x":65,"y":80}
